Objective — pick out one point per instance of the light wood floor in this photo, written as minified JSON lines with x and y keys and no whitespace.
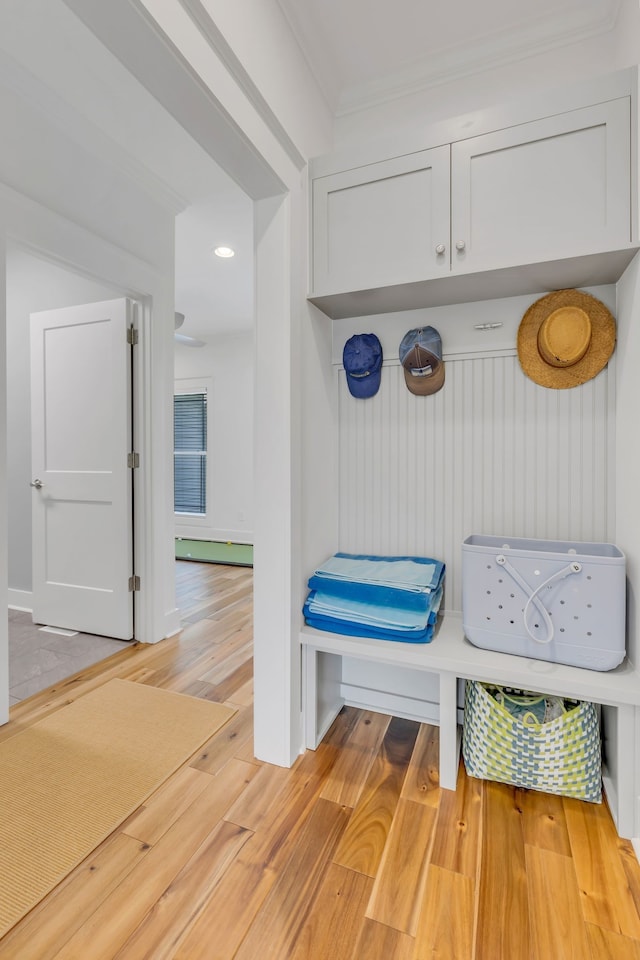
{"x":353,"y":853}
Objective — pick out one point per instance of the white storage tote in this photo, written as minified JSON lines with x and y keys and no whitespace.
{"x":546,"y":599}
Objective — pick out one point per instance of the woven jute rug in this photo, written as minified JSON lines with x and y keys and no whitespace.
{"x":68,"y":781}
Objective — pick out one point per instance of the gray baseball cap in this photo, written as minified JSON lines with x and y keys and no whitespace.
{"x":421,"y":356}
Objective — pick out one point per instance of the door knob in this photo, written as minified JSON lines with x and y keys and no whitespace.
{"x":36,"y":483}
{"x":460,"y":245}
{"x":440,"y":248}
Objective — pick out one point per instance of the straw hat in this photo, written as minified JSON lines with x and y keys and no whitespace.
{"x":565,"y":339}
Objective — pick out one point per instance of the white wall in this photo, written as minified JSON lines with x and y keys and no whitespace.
{"x":627,"y":519}
{"x":32,"y":284}
{"x":628,"y":445}
{"x":319,"y":469}
{"x":454,"y":95}
{"x":228,"y":363}
{"x":4,"y":638}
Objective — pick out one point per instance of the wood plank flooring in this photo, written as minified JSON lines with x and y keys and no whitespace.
{"x":353,"y":854}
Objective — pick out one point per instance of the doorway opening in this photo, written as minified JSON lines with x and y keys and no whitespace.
{"x":47,"y":641}
{"x":213,"y":417}
{"x":214,"y":369}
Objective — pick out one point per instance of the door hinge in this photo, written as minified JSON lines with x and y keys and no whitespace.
{"x":133,"y":460}
{"x":134,"y":584}
{"x":132,"y":335}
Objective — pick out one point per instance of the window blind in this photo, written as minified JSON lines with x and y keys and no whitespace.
{"x":190,"y":453}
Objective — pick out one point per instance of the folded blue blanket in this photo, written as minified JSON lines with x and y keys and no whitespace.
{"x":355,"y":630}
{"x":382,"y":616}
{"x":416,"y":574}
{"x":403,"y":582}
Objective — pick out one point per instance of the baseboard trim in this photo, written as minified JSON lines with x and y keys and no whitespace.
{"x":20,"y":600}
{"x":172,"y":623}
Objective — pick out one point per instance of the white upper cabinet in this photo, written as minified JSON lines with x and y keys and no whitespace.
{"x":558,"y":187}
{"x":383,"y":224}
{"x":523,"y":207}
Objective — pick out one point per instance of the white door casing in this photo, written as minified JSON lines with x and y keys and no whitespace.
{"x":81,"y":436}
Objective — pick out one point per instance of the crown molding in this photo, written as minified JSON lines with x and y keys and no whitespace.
{"x":493,"y":50}
{"x":207,"y":27}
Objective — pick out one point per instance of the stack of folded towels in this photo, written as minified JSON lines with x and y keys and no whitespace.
{"x":385,"y":598}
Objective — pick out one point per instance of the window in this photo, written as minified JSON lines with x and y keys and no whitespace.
{"x":190,"y":453}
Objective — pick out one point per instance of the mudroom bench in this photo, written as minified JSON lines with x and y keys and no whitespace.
{"x":447,"y":662}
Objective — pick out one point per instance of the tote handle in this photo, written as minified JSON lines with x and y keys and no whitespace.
{"x":571,"y":568}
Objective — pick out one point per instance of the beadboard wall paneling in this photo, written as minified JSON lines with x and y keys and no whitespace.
{"x":491,"y":453}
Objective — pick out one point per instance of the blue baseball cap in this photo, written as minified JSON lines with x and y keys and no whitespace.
{"x":362,"y":359}
{"x":421,"y":356}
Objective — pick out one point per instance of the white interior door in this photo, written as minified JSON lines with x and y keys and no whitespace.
{"x":82,"y":484}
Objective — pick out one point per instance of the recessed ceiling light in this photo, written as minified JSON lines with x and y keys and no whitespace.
{"x":224,"y":252}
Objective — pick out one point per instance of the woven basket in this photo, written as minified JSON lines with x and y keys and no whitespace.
{"x":560,"y":756}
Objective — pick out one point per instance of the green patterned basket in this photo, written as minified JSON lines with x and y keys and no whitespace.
{"x":560,"y":756}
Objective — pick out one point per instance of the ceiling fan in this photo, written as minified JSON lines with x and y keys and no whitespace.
{"x":181,"y":337}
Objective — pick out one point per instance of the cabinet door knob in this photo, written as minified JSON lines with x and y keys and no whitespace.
{"x":440,"y":248}
{"x":460,"y":245}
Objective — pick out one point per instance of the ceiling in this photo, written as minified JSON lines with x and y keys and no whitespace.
{"x":215,"y":294}
{"x":360,"y":51}
{"x":364,"y":51}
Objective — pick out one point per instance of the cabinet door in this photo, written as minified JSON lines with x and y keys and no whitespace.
{"x":553,"y":188}
{"x":382,"y":224}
